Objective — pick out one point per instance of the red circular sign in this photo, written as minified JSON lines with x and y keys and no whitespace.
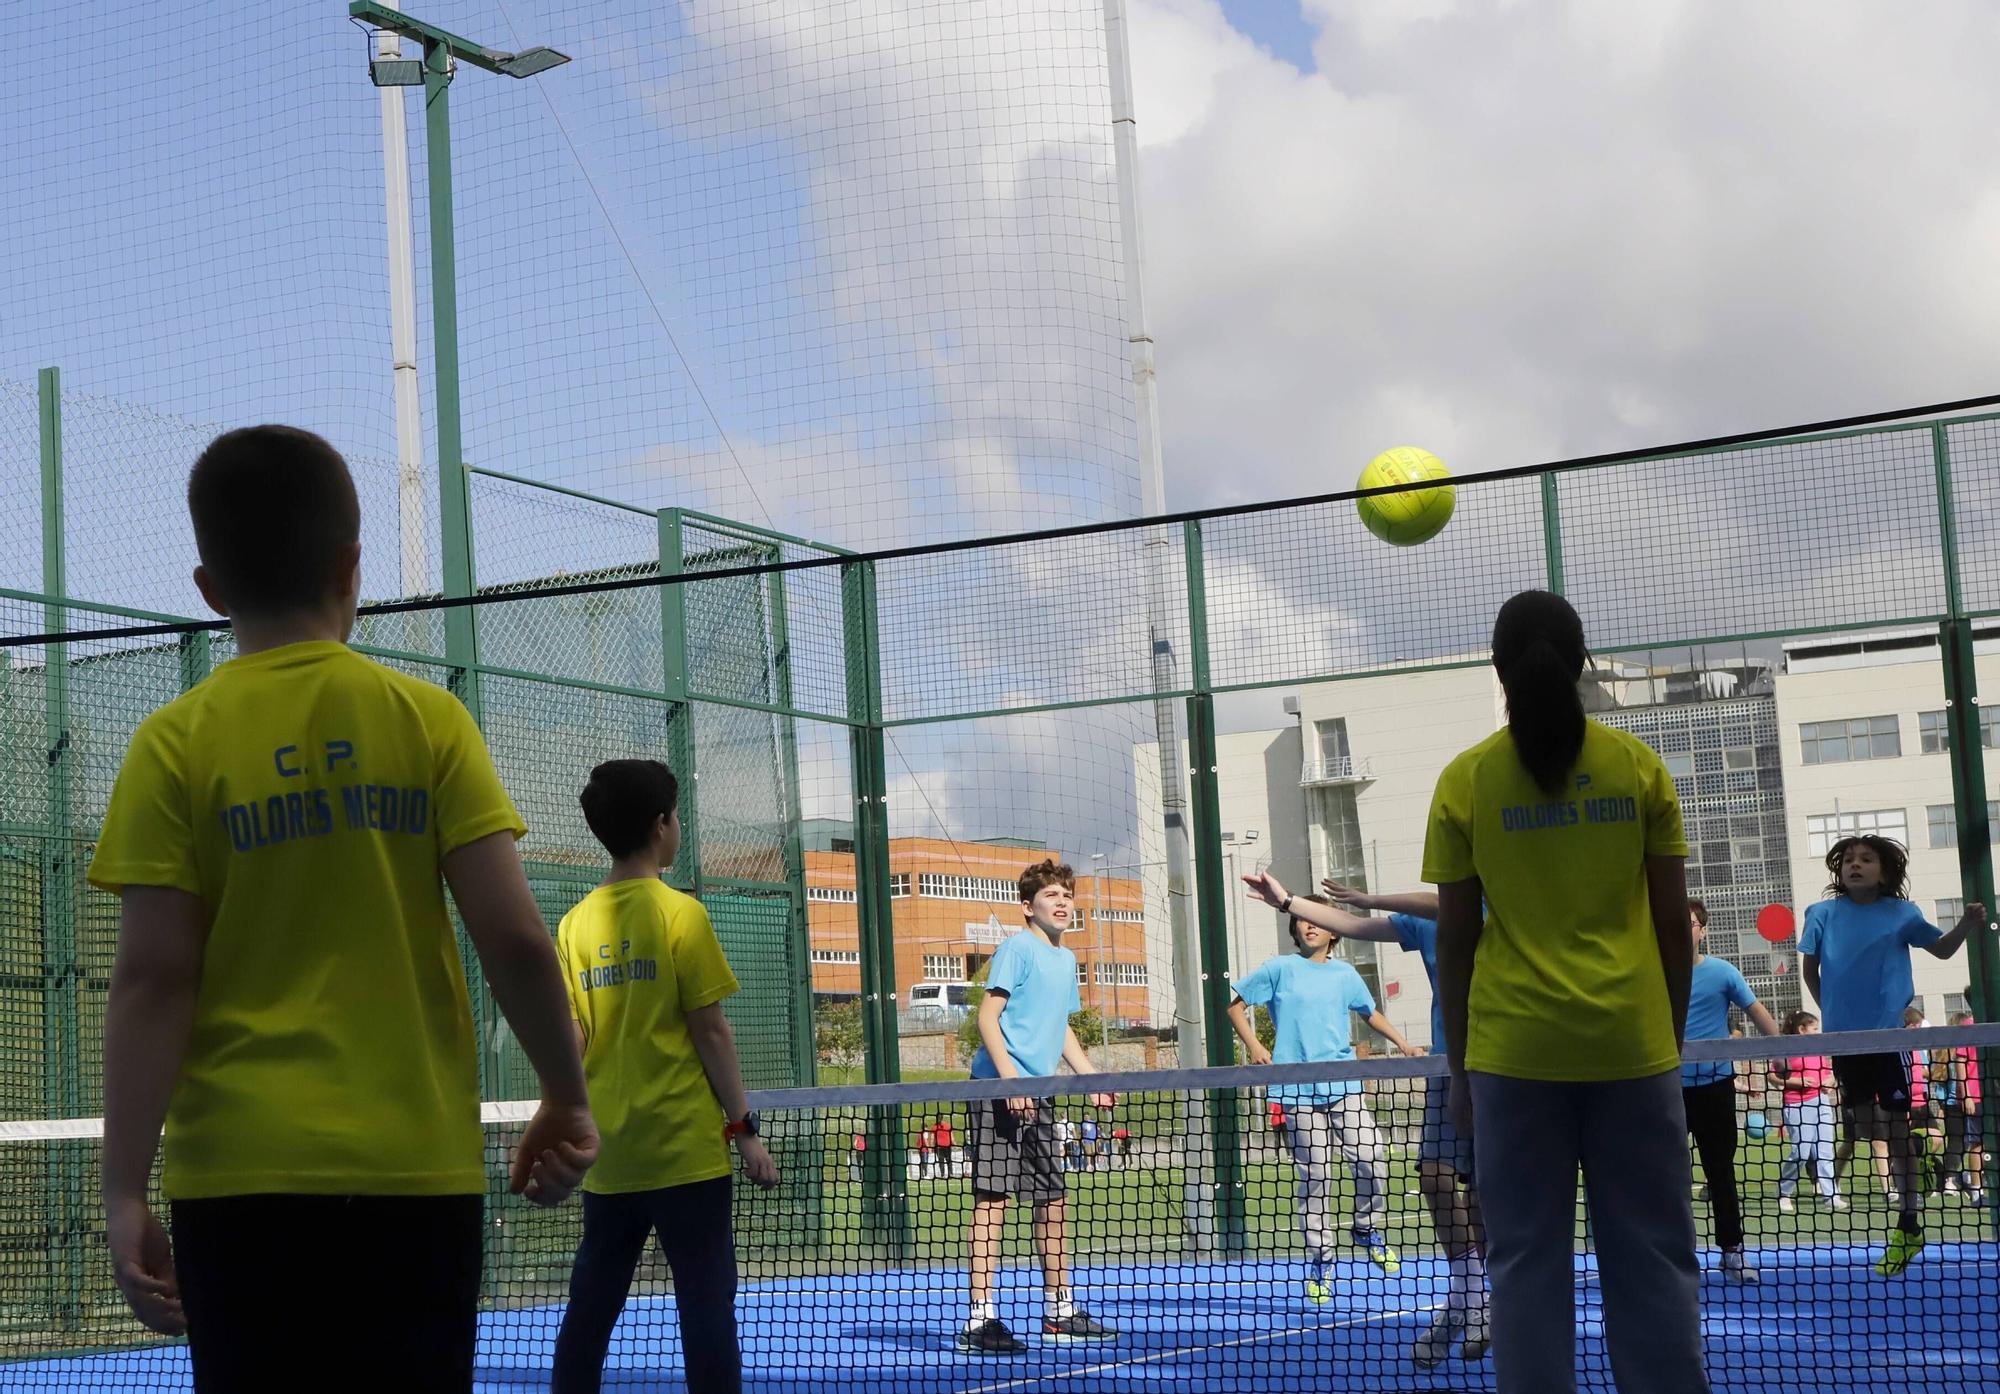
{"x":1774,"y":923}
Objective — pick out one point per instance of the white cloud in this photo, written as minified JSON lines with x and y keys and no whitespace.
{"x":1518,"y":231}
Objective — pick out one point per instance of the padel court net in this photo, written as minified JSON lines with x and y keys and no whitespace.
{"x":1186,"y":1234}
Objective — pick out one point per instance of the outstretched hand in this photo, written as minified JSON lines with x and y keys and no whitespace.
{"x":1266,"y":888}
{"x":1342,"y":894}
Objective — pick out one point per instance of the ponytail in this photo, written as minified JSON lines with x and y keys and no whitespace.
{"x":1538,"y":651}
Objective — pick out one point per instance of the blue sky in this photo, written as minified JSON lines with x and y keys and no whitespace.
{"x":1280,"y":26}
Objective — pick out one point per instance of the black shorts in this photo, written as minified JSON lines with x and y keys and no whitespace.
{"x":269,"y":1283}
{"x":1883,"y":1080}
{"x":1012,"y":1155}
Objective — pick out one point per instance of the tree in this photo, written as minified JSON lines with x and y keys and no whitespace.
{"x":1089,"y":1026}
{"x":837,"y":1035}
{"x":968,"y":1029}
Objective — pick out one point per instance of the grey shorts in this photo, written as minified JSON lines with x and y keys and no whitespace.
{"x":1014,"y":1156}
{"x":1439,"y":1141}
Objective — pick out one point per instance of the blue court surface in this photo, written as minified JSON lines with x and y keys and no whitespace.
{"x":1820,"y":1319}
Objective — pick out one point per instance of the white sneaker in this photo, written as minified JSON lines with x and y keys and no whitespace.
{"x":1836,"y":1201}
{"x":1950,"y":1186}
{"x":1895,"y":1200}
{"x":1478,"y":1340}
{"x":1736,"y":1269}
{"x":1435,"y":1344}
{"x":1785,"y":1206}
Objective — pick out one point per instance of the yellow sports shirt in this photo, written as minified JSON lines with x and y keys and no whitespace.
{"x":307,"y":796}
{"x":638,"y":957}
{"x":1567,"y":983}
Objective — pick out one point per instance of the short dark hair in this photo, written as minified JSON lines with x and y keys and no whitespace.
{"x":1292,"y":921}
{"x":622,"y":800}
{"x":1043,"y":874}
{"x":272,"y":507}
{"x":1700,"y":911}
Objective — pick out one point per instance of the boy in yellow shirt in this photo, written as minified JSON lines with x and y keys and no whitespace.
{"x":288,"y":995}
{"x":646,"y":980}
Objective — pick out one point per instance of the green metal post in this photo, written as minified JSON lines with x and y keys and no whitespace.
{"x":1965,"y":732}
{"x":62,"y":1055}
{"x":797,"y":943}
{"x":686,"y":871}
{"x":461,"y":628}
{"x":1552,"y":532}
{"x":884,"y":1200}
{"x":197,"y":657}
{"x":1212,"y":906}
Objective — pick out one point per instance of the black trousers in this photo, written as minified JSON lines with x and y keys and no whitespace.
{"x":692,"y":1222}
{"x":270,"y":1285}
{"x":1711,"y":1111}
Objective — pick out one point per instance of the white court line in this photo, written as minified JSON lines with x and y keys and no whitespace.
{"x":1158,"y":1356}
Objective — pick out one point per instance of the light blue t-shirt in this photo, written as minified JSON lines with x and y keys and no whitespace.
{"x":1420,"y":937}
{"x":1864,"y":959}
{"x":1039,"y":979}
{"x":1715,"y":987}
{"x":1309,"y":1004}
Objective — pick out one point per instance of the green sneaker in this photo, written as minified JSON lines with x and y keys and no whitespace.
{"x":1903,"y":1246}
{"x":1381,"y":1255}
{"x":1317,"y":1291}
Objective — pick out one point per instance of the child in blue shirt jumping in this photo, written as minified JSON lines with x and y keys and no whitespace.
{"x":1310,"y":994}
{"x":1856,"y":963}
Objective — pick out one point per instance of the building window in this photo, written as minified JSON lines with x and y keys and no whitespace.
{"x":1338,"y":832}
{"x":899,"y":885}
{"x":1955,"y":1004}
{"x":1121,"y":974}
{"x":1825,"y":829}
{"x":1118,"y":916}
{"x":1950,"y":912}
{"x":944,"y":968}
{"x":835,"y":895}
{"x":1680,"y":764}
{"x":1944,"y":823}
{"x":1863,"y":738}
{"x":1933,"y":736}
{"x":986,"y":890}
{"x":1335,"y":760}
{"x":836,"y":956}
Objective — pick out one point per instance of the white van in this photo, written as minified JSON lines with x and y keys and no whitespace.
{"x":941,"y":999}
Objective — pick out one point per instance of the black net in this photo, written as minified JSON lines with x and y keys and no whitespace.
{"x":1273,"y":1228}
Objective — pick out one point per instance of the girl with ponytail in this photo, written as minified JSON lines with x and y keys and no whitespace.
{"x":1564,"y":1010}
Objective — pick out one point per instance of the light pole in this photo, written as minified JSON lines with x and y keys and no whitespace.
{"x":1097,"y":918}
{"x":443,"y":50}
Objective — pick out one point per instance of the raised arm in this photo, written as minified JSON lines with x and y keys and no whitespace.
{"x":1974,"y":916}
{"x":1272,"y":892}
{"x":1422,"y":904}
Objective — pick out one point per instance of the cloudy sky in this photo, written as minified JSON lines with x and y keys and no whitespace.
{"x":1519,"y":231}
{"x":853,"y":270}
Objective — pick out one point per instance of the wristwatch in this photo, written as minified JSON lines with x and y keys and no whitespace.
{"x":1285,"y":906}
{"x":746,"y":1126}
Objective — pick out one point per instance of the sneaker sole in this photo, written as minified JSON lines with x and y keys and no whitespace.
{"x":1083,"y":1340}
{"x":989,"y":1353}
